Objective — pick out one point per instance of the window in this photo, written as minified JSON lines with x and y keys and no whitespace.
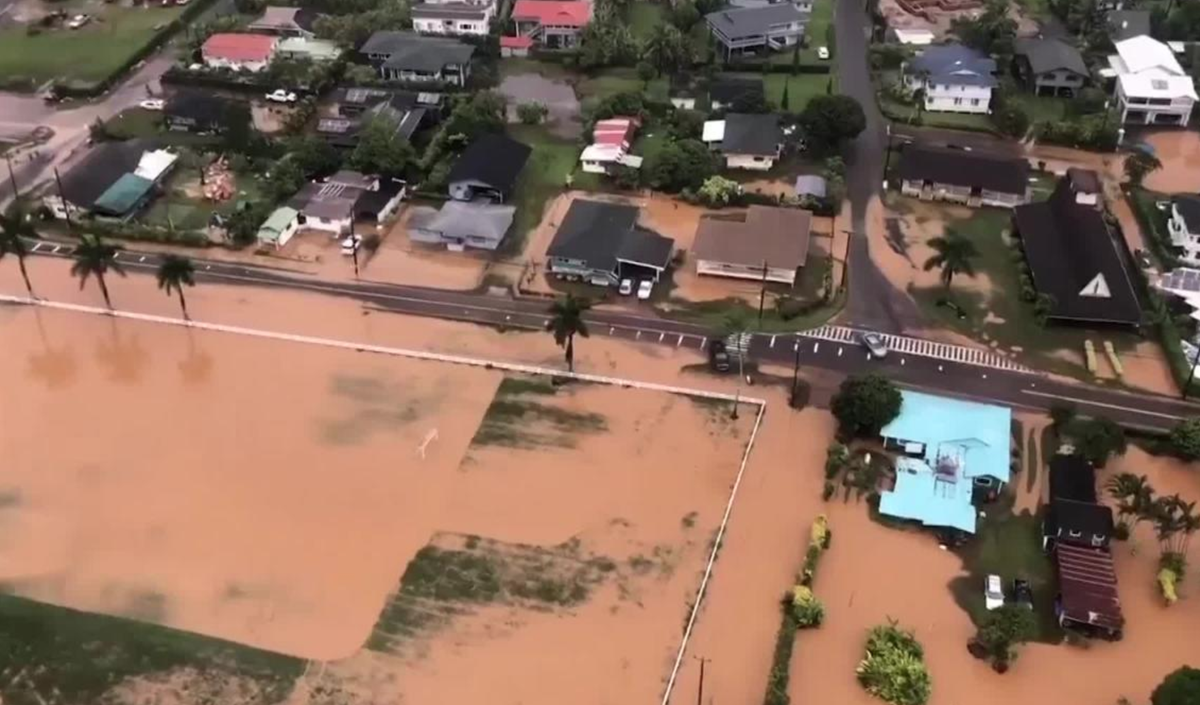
{"x":974,"y":101}
{"x":1075,"y":534}
{"x":958,"y":101}
{"x":759,"y":159}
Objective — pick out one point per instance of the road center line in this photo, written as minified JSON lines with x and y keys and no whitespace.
{"x":1105,"y":405}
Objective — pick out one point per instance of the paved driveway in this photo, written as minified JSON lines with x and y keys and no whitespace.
{"x":558,"y":97}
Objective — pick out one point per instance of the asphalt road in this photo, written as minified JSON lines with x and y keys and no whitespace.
{"x":1014,"y":389}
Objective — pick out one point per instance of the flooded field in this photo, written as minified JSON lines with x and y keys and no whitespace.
{"x":396,"y":523}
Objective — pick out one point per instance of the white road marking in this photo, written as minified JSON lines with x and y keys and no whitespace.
{"x":772,"y":341}
{"x":840,"y":350}
{"x":702,"y":342}
{"x":901,"y":361}
{"x":508,"y":318}
{"x":56,"y":249}
{"x":142,"y":258}
{"x":661,"y":336}
{"x":816,"y":346}
{"x":611,"y":329}
{"x":638,"y":335}
{"x":680,"y":342}
{"x":1102,"y":404}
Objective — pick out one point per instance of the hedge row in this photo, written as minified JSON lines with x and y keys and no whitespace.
{"x":785,"y":638}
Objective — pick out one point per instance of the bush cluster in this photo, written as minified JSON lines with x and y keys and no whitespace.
{"x":893,"y":667}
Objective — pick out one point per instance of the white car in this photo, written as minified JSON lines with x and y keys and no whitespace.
{"x":350,"y":244}
{"x":993,"y":592}
{"x":644,"y":289}
{"x":281,"y":96}
{"x":626,"y":287}
{"x":823,"y":53}
{"x":78,"y":21}
{"x":152,"y":104}
{"x":874,"y":344}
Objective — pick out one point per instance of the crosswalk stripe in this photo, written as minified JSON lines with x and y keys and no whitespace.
{"x":921,"y":347}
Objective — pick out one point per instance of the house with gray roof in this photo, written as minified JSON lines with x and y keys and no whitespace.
{"x":952,"y":78}
{"x":746,"y":141}
{"x":602,"y":243}
{"x":749,"y":30}
{"x":1051,"y":66}
{"x":461,"y":224}
{"x":406,"y":56}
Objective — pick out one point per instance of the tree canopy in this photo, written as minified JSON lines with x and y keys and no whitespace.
{"x":1180,"y":687}
{"x":679,"y":164}
{"x":992,"y":32}
{"x":864,"y":405}
{"x":953,"y":254}
{"x":1005,"y":628}
{"x":1098,"y":439}
{"x":1185,"y":439}
{"x":380,"y":151}
{"x":830,"y":120}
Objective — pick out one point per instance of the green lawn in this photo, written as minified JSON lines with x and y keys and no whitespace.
{"x":63,"y":655}
{"x":83,"y":56}
{"x":644,"y":17}
{"x":1008,"y":545}
{"x":1042,"y":108}
{"x":136,"y":122}
{"x":818,"y":33}
{"x":1002,"y":316}
{"x":543,"y":178}
{"x":176,"y":209}
{"x":619,"y":80}
{"x":801,"y":89}
{"x":513,"y":66}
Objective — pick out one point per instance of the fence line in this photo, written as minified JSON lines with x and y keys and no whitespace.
{"x":487,"y":364}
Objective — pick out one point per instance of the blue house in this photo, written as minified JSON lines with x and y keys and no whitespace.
{"x":948,"y":448}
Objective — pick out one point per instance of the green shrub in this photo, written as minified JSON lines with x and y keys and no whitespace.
{"x":893,"y":667}
{"x":1167,"y":579}
{"x":836,"y":458}
{"x":1185,"y":439}
{"x":819,"y":530}
{"x":781,"y":661}
{"x":806,"y":608}
{"x":828,"y":491}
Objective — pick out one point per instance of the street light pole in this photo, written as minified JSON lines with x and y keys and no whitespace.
{"x":796,"y":371}
{"x":66,"y":206}
{"x":700,"y":689}
{"x":12,"y":178}
{"x":762,"y":294}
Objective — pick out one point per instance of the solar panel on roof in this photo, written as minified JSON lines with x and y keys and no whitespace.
{"x":1183,"y":280}
{"x":333,"y":125}
{"x":356,"y":95}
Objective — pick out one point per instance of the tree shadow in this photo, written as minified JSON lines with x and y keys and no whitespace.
{"x":52,"y":366}
{"x":122,"y":354}
{"x":197,"y":367}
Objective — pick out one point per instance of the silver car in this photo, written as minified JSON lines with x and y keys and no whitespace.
{"x":874,"y":344}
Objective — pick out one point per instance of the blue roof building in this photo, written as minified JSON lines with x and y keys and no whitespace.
{"x":949,"y":446}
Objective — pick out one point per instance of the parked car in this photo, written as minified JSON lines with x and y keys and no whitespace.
{"x":279,"y":95}
{"x":626,"y":287}
{"x":152,"y":104}
{"x":993,"y":592}
{"x":718,"y":356}
{"x":350,"y":244}
{"x":1022,"y":593}
{"x":78,"y":21}
{"x":823,"y":53}
{"x":873,"y":342}
{"x":644,"y":289}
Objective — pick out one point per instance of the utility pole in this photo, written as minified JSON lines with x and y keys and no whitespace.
{"x":700,"y":689}
{"x":796,"y":371}
{"x":354,"y":251}
{"x":66,"y":206}
{"x":762,"y":294}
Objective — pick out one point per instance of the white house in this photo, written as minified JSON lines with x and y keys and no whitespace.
{"x":452,"y":18}
{"x":279,"y":227}
{"x":1151,"y":87}
{"x":952,"y":78}
{"x":752,"y":142}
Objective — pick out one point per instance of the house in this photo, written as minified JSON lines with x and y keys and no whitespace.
{"x":201,"y":112}
{"x":1077,"y":523}
{"x":747,"y":141}
{"x":279,"y":227}
{"x":461,"y":224}
{"x":114,"y":180}
{"x":973,"y":178}
{"x":952,"y":78}
{"x":488,"y":169}
{"x":551,"y":24}
{"x":811,"y":186}
{"x":1152,"y":88}
{"x":910,"y":37}
{"x":1126,"y":24}
{"x":335,"y":204}
{"x":1074,"y":259}
{"x":601,"y":243}
{"x":398,"y":109}
{"x":1085,"y":184}
{"x":239,"y":52}
{"x":1072,"y":477}
{"x":950,"y":450}
{"x":1051,"y":66}
{"x":768,"y":244}
{"x":611,"y":142}
{"x":1087,"y":591}
{"x":725,"y":91}
{"x":1184,"y":227}
{"x":285,"y":22}
{"x":746,"y":31}
{"x":406,"y":56}
{"x":353,"y":101}
{"x":804,"y":5}
{"x":452,"y":18}
{"x":315,"y":50}
{"x":515,"y":46}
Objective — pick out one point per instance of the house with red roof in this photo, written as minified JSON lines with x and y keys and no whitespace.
{"x":611,"y":142}
{"x":240,"y":52}
{"x":552,"y":24}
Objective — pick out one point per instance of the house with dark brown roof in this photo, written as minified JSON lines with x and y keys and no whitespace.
{"x":768,"y":243}
{"x":1074,"y":258}
{"x":1087,"y":591}
{"x":972,"y":178}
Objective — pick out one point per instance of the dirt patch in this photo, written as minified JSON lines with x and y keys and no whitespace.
{"x":558,"y":97}
{"x":1179,"y":152}
{"x":908,"y":237}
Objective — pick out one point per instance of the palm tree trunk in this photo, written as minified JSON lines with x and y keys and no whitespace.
{"x":948,"y":276}
{"x":104,"y":291}
{"x":183,"y":304}
{"x":571,"y":352}
{"x":25,"y":276}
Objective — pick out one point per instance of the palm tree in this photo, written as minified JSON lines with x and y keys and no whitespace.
{"x":174,"y":273}
{"x":94,"y":257}
{"x":1135,"y":499}
{"x":1139,"y":164}
{"x":953,"y":255}
{"x":14,"y":228}
{"x":566,"y":322}
{"x":1174,"y":523}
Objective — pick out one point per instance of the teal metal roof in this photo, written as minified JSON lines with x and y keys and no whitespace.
{"x":962,"y":440}
{"x":125,"y":193}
